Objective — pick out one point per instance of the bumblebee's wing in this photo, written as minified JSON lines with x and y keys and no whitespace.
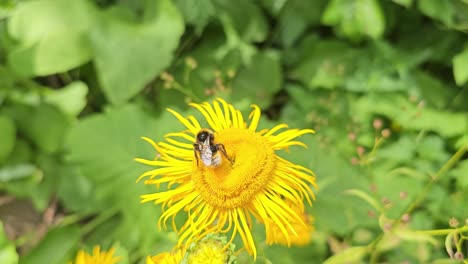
{"x":205,"y":153}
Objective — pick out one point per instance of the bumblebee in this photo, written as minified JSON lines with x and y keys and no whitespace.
{"x":208,"y":150}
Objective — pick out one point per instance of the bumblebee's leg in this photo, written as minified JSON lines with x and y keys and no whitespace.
{"x":223,"y":150}
{"x":195,"y":147}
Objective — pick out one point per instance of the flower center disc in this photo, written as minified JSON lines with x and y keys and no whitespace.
{"x":233,"y":185}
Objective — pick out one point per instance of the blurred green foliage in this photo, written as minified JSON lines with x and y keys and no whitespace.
{"x":383,"y":82}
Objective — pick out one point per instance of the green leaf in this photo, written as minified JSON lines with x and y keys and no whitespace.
{"x":460,"y":174}
{"x":355,"y":19}
{"x":17,"y":172}
{"x":8,"y":253}
{"x":405,"y":3}
{"x":440,"y":10}
{"x":196,"y":12}
{"x":129,"y":55}
{"x":7,"y":136}
{"x":432,"y":148}
{"x":46,"y":126}
{"x":246,"y":17}
{"x":71,"y":99}
{"x":460,"y":67}
{"x":411,"y":116}
{"x":6,"y":8}
{"x":103,"y":147}
{"x":55,"y":248}
{"x":21,"y":153}
{"x":76,"y":192}
{"x":260,"y":80}
{"x":324,"y":64}
{"x":296,"y":17}
{"x":51,"y":36}
{"x":366,"y":197}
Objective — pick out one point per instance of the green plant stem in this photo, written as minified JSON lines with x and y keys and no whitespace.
{"x":105,"y":215}
{"x":181,"y":89}
{"x":447,"y":166}
{"x":72,"y":219}
{"x":443,"y":232}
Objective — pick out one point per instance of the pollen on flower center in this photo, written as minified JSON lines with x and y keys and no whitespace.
{"x":233,"y":185}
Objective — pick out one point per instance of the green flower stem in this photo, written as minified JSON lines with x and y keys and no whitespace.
{"x":447,"y":166}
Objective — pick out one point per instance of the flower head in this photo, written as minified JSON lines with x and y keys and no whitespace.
{"x":174,"y":257}
{"x":98,"y":257}
{"x":251,"y":181}
{"x":211,"y":249}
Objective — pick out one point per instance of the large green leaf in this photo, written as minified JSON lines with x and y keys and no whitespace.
{"x":460,"y":174}
{"x":71,"y":99}
{"x":440,"y":10}
{"x":196,"y":12}
{"x":8,"y":254}
{"x":46,"y":126}
{"x":246,"y":17}
{"x":355,"y":19}
{"x":51,"y":36}
{"x":7,"y":135}
{"x":411,"y":116}
{"x":296,"y":17}
{"x":460,"y":67}
{"x":260,"y":80}
{"x":129,"y":55}
{"x":103,"y":147}
{"x":55,"y":248}
{"x":324,"y":64}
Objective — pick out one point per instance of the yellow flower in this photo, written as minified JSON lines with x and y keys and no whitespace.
{"x":303,"y":232}
{"x":174,"y":257}
{"x":98,"y":257}
{"x":252,"y":181}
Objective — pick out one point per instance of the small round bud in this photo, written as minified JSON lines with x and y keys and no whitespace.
{"x":453,"y":222}
{"x":403,"y":195}
{"x":191,"y":62}
{"x":385,"y":201}
{"x":209,"y":91}
{"x":371,"y":213}
{"x":352,"y":136}
{"x":386,"y":133}
{"x":387,"y":226}
{"x":421,"y":104}
{"x":378,"y":123}
{"x":405,"y":218}
{"x":354,"y":161}
{"x":373,"y":188}
{"x":458,"y":256}
{"x":231,"y":73}
{"x":360,"y":150}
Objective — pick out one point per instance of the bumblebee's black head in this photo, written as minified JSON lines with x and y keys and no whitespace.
{"x":203,"y":135}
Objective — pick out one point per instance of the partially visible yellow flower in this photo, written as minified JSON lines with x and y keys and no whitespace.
{"x":223,"y":199}
{"x":211,"y":249}
{"x":98,"y":257}
{"x":303,"y":229}
{"x":174,"y":257}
